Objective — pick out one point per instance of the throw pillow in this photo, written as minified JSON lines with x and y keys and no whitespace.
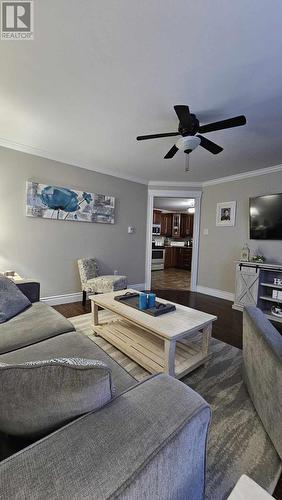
{"x":12,"y":300}
{"x":37,"y":397}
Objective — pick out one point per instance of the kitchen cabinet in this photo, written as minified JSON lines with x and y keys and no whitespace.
{"x":176,"y":218}
{"x":186,"y":225}
{"x":180,"y":257}
{"x":184,"y":258}
{"x":157,"y":216}
{"x":166,"y":224}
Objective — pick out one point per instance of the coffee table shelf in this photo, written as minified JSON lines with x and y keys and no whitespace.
{"x":176,"y":344}
{"x":148,"y":350}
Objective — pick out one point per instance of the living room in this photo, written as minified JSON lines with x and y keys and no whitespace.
{"x":130,"y":386}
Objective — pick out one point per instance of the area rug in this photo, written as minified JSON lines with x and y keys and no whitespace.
{"x":237,"y":441}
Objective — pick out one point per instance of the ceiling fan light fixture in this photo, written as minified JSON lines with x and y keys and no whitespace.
{"x":188,"y":142}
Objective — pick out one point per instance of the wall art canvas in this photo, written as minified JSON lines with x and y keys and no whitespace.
{"x":225,"y":213}
{"x":61,"y":203}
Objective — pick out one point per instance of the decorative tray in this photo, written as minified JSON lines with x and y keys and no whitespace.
{"x":132,"y":300}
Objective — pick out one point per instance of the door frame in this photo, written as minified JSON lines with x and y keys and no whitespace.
{"x":166,"y":193}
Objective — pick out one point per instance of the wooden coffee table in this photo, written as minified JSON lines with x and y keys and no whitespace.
{"x":165,"y":343}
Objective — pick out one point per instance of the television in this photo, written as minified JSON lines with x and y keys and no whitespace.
{"x":266,"y":217}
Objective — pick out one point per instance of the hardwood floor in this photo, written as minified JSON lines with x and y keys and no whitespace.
{"x":227,"y":328}
{"x":171,"y":279}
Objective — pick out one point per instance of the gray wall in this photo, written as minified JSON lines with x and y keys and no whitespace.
{"x":222,"y":245}
{"x":47,"y":249}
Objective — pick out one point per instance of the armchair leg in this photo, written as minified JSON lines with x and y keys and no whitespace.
{"x":84,"y":295}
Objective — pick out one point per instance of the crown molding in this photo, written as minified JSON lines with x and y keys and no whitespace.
{"x":175,"y":184}
{"x":243,"y":175}
{"x":24,"y":148}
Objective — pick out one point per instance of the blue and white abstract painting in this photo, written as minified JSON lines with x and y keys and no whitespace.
{"x":60,"y":203}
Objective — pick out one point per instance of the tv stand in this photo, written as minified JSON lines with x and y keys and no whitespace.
{"x":254,"y":286}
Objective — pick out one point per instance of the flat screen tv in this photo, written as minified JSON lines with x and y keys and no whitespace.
{"x":266,"y":217}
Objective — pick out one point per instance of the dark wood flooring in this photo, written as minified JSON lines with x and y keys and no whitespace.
{"x":227,"y":328}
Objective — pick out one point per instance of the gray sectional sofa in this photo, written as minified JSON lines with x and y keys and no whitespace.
{"x":147,"y":441}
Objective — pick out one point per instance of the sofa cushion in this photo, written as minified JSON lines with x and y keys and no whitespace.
{"x":148,"y":443}
{"x":40,"y":396}
{"x":72,"y":344}
{"x":35,"y":324}
{"x":12,"y":300}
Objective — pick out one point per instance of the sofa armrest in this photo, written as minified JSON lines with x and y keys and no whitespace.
{"x":262,"y":355}
{"x":31,"y":289}
{"x":149,"y":442}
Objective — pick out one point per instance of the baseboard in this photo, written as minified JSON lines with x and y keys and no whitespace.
{"x":67,"y":298}
{"x":214,"y":292}
{"x":138,"y":286}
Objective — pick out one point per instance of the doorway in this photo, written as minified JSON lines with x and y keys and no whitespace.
{"x":172,"y":240}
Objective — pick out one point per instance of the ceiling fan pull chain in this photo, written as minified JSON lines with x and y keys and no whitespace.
{"x":187,"y":163}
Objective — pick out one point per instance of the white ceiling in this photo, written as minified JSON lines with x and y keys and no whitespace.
{"x":173,"y":203}
{"x":100,"y":73}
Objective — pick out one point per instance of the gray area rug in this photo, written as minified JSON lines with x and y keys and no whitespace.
{"x":237,"y":441}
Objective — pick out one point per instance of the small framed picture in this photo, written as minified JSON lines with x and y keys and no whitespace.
{"x":225,"y":213}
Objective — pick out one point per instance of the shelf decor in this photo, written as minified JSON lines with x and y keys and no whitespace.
{"x":225,"y":213}
{"x":245,"y":253}
{"x":61,"y":203}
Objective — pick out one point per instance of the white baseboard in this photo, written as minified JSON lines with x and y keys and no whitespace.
{"x":68,"y":298}
{"x":214,"y":292}
{"x":138,"y":286}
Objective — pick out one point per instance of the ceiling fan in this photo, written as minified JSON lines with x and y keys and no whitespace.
{"x":189,"y":127}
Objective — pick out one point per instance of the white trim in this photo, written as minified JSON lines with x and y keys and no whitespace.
{"x":24,"y":148}
{"x":214,"y":292}
{"x":164,"y":193}
{"x":220,"y":180}
{"x":196,"y":230}
{"x":175,"y":184}
{"x":138,"y":286}
{"x":148,"y":259}
{"x":244,"y":175}
{"x":68,"y":298}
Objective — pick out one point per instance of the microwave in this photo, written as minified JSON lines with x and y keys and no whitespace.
{"x":156,"y":229}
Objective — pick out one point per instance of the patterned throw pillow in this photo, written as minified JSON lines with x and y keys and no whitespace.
{"x":37,"y":397}
{"x":12,"y":300}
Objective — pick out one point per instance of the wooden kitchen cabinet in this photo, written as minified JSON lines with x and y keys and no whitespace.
{"x":170,"y":257}
{"x":166,"y":224}
{"x":186,"y":225}
{"x":184,"y":258}
{"x":157,"y":216}
{"x":176,"y":225}
{"x":180,"y":257}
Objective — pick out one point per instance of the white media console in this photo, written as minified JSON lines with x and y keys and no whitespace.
{"x":255,"y":284}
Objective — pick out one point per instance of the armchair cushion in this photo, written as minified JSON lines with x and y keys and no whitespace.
{"x":40,"y":396}
{"x":106,"y":283}
{"x":12,"y":300}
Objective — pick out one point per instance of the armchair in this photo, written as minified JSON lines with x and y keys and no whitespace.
{"x":91,"y":282}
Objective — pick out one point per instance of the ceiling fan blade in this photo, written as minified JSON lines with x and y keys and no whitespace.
{"x":184,"y":116}
{"x":171,"y":152}
{"x":237,"y":121}
{"x":209,"y":145}
{"x":156,"y":136}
